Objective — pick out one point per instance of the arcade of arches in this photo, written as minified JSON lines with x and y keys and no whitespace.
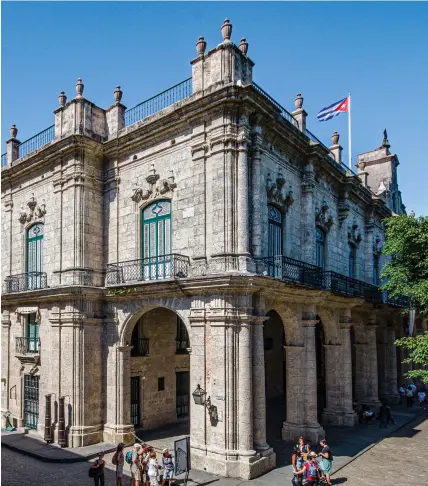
{"x":272,"y":365}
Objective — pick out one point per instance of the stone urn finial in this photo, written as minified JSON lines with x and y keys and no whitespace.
{"x":335,"y":138}
{"x":243,"y":46}
{"x":298,"y":101}
{"x":412,"y":214}
{"x":118,"y":94}
{"x":201,"y":45}
{"x":13,"y":131}
{"x":226,"y":31}
{"x":62,"y":99}
{"x":79,"y":88}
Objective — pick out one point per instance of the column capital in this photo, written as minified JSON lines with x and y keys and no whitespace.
{"x":309,"y":322}
{"x":125,"y":349}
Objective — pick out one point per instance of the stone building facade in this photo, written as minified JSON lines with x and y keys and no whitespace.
{"x":204,"y":238}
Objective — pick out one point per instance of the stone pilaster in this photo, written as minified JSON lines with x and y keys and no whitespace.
{"x":382,"y":364}
{"x":242,"y":236}
{"x":5,"y":361}
{"x":308,"y":215}
{"x":371,"y":368}
{"x":256,"y":196}
{"x":361,"y":354}
{"x":301,"y":388}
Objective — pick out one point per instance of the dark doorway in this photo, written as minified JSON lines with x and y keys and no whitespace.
{"x":275,"y":376}
{"x":182,"y":393}
{"x":31,"y":401}
{"x":135,"y":400}
{"x":320,"y":360}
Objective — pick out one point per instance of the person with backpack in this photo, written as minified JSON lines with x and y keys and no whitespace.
{"x":97,"y":470}
{"x":409,"y":396}
{"x":326,"y":461}
{"x":311,"y":469}
{"x":117,"y":460}
{"x":421,"y":398}
{"x":168,"y":467}
{"x":133,"y":459}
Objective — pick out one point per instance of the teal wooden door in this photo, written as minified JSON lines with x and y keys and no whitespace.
{"x":156,"y":238}
{"x":35,"y":256}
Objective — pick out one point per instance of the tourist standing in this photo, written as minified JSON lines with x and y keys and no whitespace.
{"x":153,"y":469}
{"x":326,"y":461}
{"x":409,"y":396}
{"x":99,"y":465}
{"x":135,"y":466}
{"x":168,"y":467}
{"x":421,"y":398}
{"x":311,"y":470}
{"x":118,"y":460}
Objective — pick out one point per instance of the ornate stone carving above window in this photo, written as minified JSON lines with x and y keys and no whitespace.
{"x":322,"y":217}
{"x":354,"y":235}
{"x":157,"y":187}
{"x":35,"y":212}
{"x":276,"y":193}
{"x":377,"y":246}
{"x":343,"y":208}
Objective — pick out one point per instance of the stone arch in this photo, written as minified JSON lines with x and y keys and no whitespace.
{"x":290,"y":319}
{"x":329,"y":322}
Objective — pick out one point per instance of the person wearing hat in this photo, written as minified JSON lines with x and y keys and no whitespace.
{"x":310,"y":468}
{"x":135,"y":466}
{"x":168,"y":467}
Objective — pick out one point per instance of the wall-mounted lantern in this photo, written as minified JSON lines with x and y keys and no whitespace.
{"x":200,"y":398}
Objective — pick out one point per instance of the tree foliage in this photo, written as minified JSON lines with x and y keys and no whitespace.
{"x":406,"y":273}
{"x":418,"y":354}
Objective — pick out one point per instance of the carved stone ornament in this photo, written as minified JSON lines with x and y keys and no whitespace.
{"x":157,"y":187}
{"x":354,"y":235}
{"x":377,"y":245}
{"x":323,"y":218}
{"x":35,"y":211}
{"x":343,"y":209}
{"x":276,"y":193}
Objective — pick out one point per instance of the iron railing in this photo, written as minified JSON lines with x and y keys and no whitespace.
{"x":153,"y":268}
{"x":159,"y":102}
{"x":27,"y":345}
{"x":25,"y":281}
{"x":181,"y":346}
{"x":4,"y":160}
{"x":351,"y":287}
{"x":37,"y":141}
{"x":140,"y":347}
{"x":398,"y":301}
{"x":285,"y":113}
{"x":292,"y":270}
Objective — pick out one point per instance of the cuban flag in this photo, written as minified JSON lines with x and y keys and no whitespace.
{"x":333,"y":110}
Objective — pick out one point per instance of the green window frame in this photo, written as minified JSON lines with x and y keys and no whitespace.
{"x":34,"y":260}
{"x":32,"y":334}
{"x":157,"y":240}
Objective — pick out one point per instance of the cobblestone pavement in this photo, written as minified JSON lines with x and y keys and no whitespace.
{"x":399,"y":460}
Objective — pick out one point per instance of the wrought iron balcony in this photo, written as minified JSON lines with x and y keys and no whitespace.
{"x":25,"y":281}
{"x":399,"y":301}
{"x":351,"y":287}
{"x":140,"y":347}
{"x":27,"y":345}
{"x":155,"y":268}
{"x":291,"y":270}
{"x":181,"y":346}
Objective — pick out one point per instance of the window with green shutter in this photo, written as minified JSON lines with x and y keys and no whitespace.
{"x":32,"y":337}
{"x":35,"y":236}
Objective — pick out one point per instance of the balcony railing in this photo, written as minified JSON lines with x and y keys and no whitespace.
{"x":285,"y":113}
{"x":292,"y":270}
{"x":25,"y":281}
{"x":147,"y":269}
{"x":351,"y":287}
{"x":181,"y":346}
{"x":159,"y":102}
{"x":27,"y":345}
{"x":37,"y":141}
{"x":140,"y":347}
{"x":399,"y":301}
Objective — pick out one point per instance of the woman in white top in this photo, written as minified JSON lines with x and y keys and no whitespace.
{"x":153,"y":469}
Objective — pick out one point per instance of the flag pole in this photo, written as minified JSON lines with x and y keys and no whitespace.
{"x":349,"y":133}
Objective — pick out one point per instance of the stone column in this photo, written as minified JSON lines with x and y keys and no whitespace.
{"x":308,"y":215}
{"x":5,"y":361}
{"x":259,"y":390}
{"x":257,"y":187}
{"x":382,"y":367}
{"x":349,"y":416}
{"x":371,"y":370}
{"x":242,"y":236}
{"x":245,"y":388}
{"x":302,"y":388}
{"x":361,"y":354}
{"x":394,"y":396}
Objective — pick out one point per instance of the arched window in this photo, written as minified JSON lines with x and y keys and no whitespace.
{"x":320,"y":247}
{"x":275,"y":231}
{"x":352,"y":258}
{"x":156,"y":240}
{"x":35,"y":256}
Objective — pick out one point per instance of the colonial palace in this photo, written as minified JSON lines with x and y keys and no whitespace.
{"x":201,"y":256}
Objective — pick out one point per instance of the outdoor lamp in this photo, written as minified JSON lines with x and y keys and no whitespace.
{"x":199,"y":396}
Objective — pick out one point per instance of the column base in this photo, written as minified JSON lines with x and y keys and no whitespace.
{"x":119,"y":433}
{"x":263,"y":449}
{"x":341,"y":418}
{"x":84,"y":435}
{"x":312,"y":433}
{"x":231,"y":464}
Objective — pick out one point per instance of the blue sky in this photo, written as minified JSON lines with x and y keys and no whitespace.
{"x":376,"y":51}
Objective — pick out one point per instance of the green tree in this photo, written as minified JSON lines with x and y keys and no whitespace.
{"x":406,"y":273}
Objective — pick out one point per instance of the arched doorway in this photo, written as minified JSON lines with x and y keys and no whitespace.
{"x":275,"y":375}
{"x":160,"y":372}
{"x":320,"y":364}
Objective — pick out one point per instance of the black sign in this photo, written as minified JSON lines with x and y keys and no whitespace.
{"x":182,"y":455}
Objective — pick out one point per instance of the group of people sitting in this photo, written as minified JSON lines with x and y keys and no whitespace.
{"x":367,"y":416}
{"x":306,"y":468}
